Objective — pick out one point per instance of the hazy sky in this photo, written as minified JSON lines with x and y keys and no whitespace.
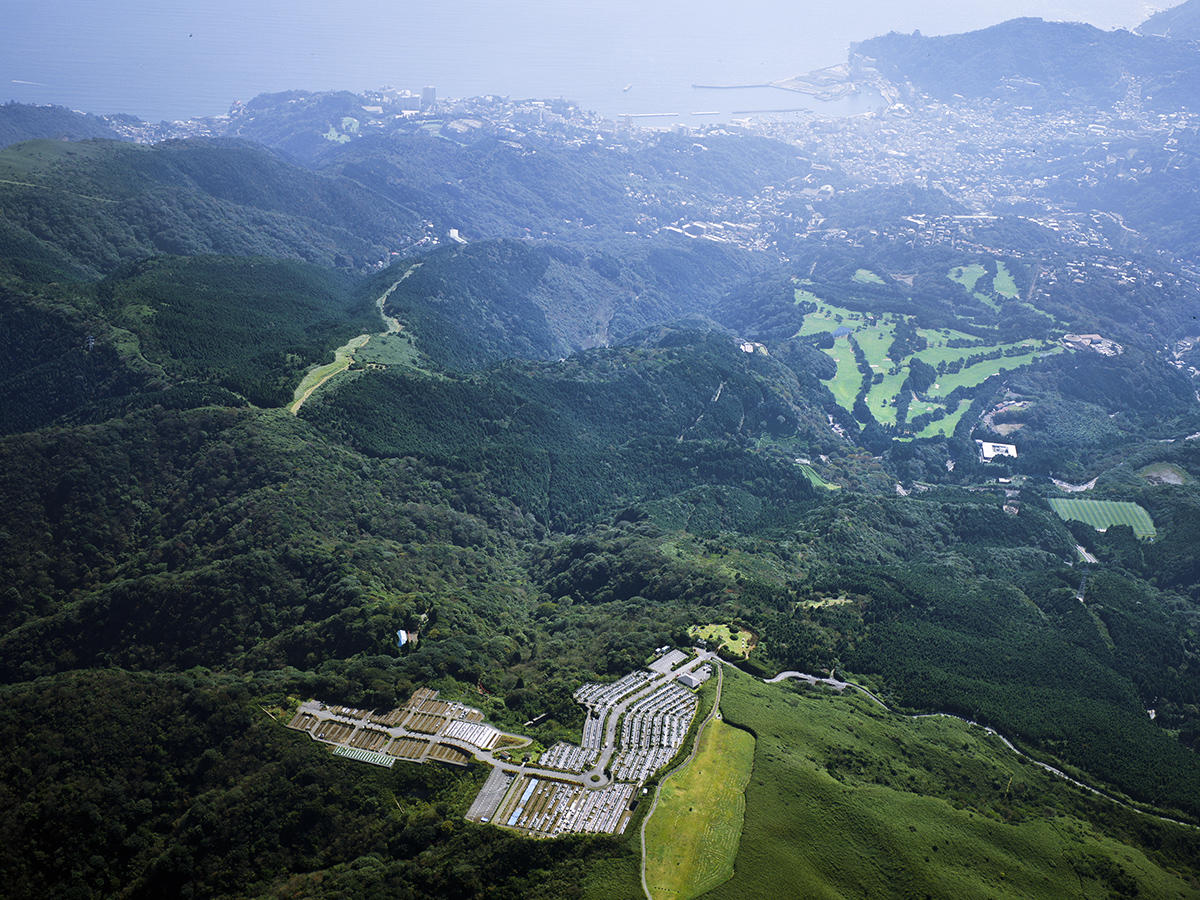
{"x":165,"y":59}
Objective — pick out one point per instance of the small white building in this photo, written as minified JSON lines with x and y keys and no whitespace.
{"x":695,"y":679}
{"x":989,"y":451}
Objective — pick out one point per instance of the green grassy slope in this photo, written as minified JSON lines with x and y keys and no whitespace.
{"x":692,"y":838}
{"x":847,"y":801}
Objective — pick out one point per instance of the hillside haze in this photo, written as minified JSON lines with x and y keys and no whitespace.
{"x":474,"y":495}
{"x":173,"y":62}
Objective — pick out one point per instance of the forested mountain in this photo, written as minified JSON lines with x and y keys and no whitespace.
{"x":84,"y":208}
{"x":1055,"y":65}
{"x":20,"y":122}
{"x":263,"y":409}
{"x":476,"y":305}
{"x":1180,"y":23}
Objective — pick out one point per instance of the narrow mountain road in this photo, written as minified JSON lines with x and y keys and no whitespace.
{"x":715,"y":712}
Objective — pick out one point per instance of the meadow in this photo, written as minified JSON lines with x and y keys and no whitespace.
{"x":1103,"y":514}
{"x":849,"y":800}
{"x":737,"y":641}
{"x":692,"y":837}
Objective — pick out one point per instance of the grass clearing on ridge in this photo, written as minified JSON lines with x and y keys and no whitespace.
{"x":314,"y":378}
{"x":1103,"y":514}
{"x":816,"y":480}
{"x":722,"y":635}
{"x":692,"y":838}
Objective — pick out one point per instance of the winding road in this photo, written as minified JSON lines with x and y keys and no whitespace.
{"x":842,"y":685}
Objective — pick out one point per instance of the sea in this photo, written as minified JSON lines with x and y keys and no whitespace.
{"x":165,"y":59}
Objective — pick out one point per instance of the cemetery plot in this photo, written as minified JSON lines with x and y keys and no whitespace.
{"x":546,"y":807}
{"x":424,"y":728}
{"x":634,"y":726}
{"x":369,"y":739}
{"x":448,"y":754}
{"x":408,"y":748}
{"x":425,"y":723}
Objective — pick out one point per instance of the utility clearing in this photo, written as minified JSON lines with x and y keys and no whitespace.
{"x":343,"y":356}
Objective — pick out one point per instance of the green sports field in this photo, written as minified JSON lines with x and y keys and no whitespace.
{"x":1003,"y":283}
{"x":944,"y":427}
{"x":1102,"y":514}
{"x":693,"y":836}
{"x":848,"y":380}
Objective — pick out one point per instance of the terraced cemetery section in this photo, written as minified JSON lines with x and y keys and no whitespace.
{"x":1103,"y":514}
{"x":692,"y":838}
{"x":424,"y":728}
